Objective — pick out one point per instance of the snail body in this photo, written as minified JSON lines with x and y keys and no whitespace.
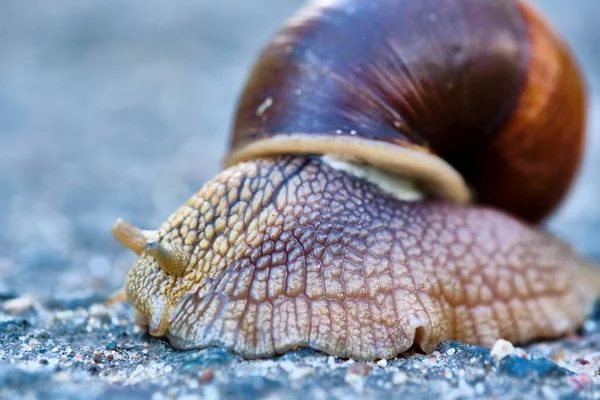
{"x":344,"y":220}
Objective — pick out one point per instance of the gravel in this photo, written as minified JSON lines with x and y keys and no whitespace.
{"x":96,"y":352}
{"x":121,"y":109}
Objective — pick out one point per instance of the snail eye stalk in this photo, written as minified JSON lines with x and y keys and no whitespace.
{"x":170,"y":258}
{"x":132,"y":237}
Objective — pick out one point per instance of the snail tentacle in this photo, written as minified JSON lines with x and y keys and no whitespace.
{"x":131,"y":236}
{"x":172,"y":259}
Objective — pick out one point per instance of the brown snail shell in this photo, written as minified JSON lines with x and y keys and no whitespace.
{"x":412,"y":86}
{"x":289,"y":248}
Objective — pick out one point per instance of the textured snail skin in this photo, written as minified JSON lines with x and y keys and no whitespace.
{"x":290,"y":252}
{"x":485,"y":85}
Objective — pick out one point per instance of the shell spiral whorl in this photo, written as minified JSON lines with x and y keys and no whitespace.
{"x":485,"y":85}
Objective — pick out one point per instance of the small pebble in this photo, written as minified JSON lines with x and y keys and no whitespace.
{"x":399,"y":378}
{"x":451,"y":351}
{"x":519,"y":352}
{"x":590,"y":326}
{"x":19,"y":305}
{"x":361,"y":368}
{"x":558,"y":355}
{"x":300,"y":373}
{"x":287,"y":366}
{"x":295,"y":372}
{"x":480,"y":388}
{"x":111,"y":345}
{"x":64,"y":315}
{"x":580,"y":381}
{"x":447,"y":373}
{"x":355,"y":380}
{"x":501,"y":349}
{"x":99,"y":310}
{"x":206,"y":376}
{"x":382,"y":363}
{"x":331,"y":362}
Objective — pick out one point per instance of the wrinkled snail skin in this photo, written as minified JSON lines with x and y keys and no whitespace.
{"x":291,"y":252}
{"x":344,"y":218}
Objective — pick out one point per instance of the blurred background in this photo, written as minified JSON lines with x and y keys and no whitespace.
{"x":122,"y":109}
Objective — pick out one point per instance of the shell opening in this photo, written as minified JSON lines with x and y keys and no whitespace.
{"x":430,"y":172}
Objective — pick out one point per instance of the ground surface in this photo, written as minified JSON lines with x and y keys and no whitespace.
{"x":76,"y":349}
{"x":121,"y":109}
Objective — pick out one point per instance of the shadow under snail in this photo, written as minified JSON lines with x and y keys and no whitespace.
{"x":345,"y":219}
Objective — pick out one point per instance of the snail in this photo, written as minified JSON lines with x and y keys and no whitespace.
{"x":388,"y":165}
